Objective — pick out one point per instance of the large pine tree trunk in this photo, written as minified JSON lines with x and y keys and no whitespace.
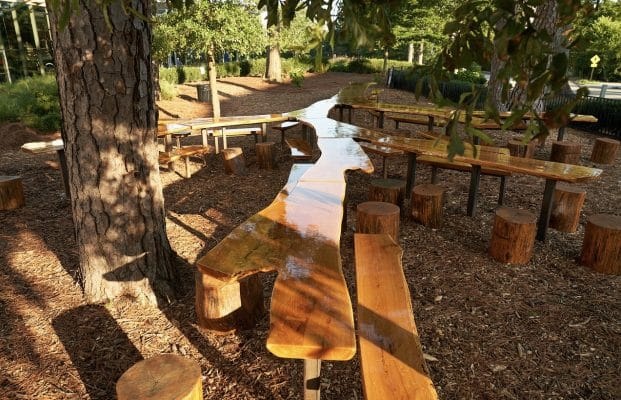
{"x":104,"y":75}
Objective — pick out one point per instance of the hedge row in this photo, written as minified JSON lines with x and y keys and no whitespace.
{"x":33,"y":101}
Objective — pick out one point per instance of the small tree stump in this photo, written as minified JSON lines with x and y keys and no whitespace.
{"x":387,"y":190}
{"x":378,"y":217}
{"x":226,"y":306}
{"x":566,"y":205}
{"x":234,"y":162}
{"x":517,"y":148}
{"x":163,"y":377}
{"x":427,"y":203}
{"x":565,"y":152}
{"x":266,"y":155}
{"x":513,"y":236}
{"x":605,"y":150}
{"x":601,"y":248}
{"x":11,"y":192}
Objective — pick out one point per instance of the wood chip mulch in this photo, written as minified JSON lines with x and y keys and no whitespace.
{"x":550,"y":329}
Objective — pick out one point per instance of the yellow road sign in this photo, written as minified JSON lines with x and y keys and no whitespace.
{"x":594,"y":60}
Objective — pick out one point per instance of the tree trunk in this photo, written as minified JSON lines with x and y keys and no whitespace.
{"x":104,"y":75}
{"x":213,"y":83}
{"x":421,"y":51}
{"x":385,"y":65}
{"x":411,"y":53}
{"x":273,"y":67}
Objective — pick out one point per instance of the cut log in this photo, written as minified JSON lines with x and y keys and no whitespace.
{"x":163,"y":377}
{"x":605,"y":150}
{"x":378,"y":217}
{"x":565,"y":152}
{"x":11,"y":192}
{"x":601,"y":248}
{"x":234,"y":162}
{"x":517,"y":148}
{"x":513,"y":236}
{"x":427,"y":203}
{"x":387,"y":190}
{"x":227,"y":306}
{"x":266,"y":155}
{"x":566,"y":205}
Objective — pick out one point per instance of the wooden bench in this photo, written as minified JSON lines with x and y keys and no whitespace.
{"x":283,"y":128}
{"x":383,"y":151}
{"x":228,"y":132}
{"x":301,"y":150}
{"x":391,"y":357}
{"x":168,"y":157}
{"x":417,"y":120}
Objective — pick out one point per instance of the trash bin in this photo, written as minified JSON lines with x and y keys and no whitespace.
{"x":203,"y":92}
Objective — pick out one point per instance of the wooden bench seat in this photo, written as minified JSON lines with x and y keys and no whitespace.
{"x":391,"y":356}
{"x":417,"y":120}
{"x":168,"y":157}
{"x":283,"y":128}
{"x":301,"y":150}
{"x":383,"y":151}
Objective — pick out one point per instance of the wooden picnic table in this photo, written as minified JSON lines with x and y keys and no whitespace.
{"x":51,"y":146}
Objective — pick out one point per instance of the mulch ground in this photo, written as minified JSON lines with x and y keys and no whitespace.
{"x":550,"y":329}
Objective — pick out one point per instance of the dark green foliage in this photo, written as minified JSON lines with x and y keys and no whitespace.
{"x":181,"y":78}
{"x":181,"y":74}
{"x":244,"y":68}
{"x":33,"y":101}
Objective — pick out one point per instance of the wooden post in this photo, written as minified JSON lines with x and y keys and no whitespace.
{"x":601,"y":248}
{"x":566,"y":205}
{"x":266,"y":155}
{"x":517,"y":148}
{"x":513,"y":236}
{"x":387,"y":190}
{"x":605,"y":150}
{"x":226,"y":306}
{"x":378,"y":217}
{"x":163,"y":377}
{"x":11,"y":192}
{"x":565,"y":152}
{"x":234,"y":162}
{"x":427,"y":203}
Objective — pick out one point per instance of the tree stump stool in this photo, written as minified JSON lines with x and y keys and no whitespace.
{"x":427,"y":202}
{"x":605,"y":150}
{"x":565,"y":152}
{"x":517,"y":148}
{"x":513,"y":236}
{"x":378,"y":217}
{"x":11,"y":192}
{"x":163,"y":377}
{"x":266,"y":155}
{"x":601,"y":248}
{"x":566,"y":205}
{"x":234,"y":161}
{"x":227,"y":306}
{"x":387,"y":190}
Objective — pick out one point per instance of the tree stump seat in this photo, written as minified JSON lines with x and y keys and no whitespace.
{"x":601,"y":247}
{"x":427,"y":202}
{"x":605,"y":150}
{"x":518,"y":148}
{"x":513,"y":236}
{"x":11,"y":192}
{"x":565,"y":152}
{"x":383,"y":151}
{"x":166,"y":158}
{"x":163,"y":377}
{"x":387,"y":190}
{"x":234,"y":161}
{"x":378,"y":217}
{"x":266,"y":155}
{"x":567,"y":203}
{"x":391,"y":357}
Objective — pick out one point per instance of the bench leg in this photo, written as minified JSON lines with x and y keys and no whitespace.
{"x":396,"y":124}
{"x":349,"y":111}
{"x":475,"y":178}
{"x":380,"y":120}
{"x":501,"y":192}
{"x":546,"y":210}
{"x":411,"y":177}
{"x":430,"y":123}
{"x":204,"y":137}
{"x":341,"y":113}
{"x":312,"y":379}
{"x":187,"y":166}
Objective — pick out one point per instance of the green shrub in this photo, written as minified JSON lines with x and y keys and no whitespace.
{"x":168,"y":90}
{"x":472,"y":75}
{"x":364,"y":65}
{"x":244,"y":68}
{"x":297,"y":78}
{"x":169,"y":75}
{"x":33,"y":101}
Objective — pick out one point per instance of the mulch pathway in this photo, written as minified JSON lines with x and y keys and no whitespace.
{"x":550,"y":329}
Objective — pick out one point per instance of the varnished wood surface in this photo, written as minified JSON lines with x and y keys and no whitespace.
{"x":166,"y":127}
{"x":298,"y":235}
{"x":391,"y":357}
{"x":43,"y":147}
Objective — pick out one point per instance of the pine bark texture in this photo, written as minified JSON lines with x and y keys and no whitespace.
{"x":513,"y":236}
{"x":601,"y":248}
{"x":378,"y":217}
{"x":11,"y":192}
{"x":104,"y":75}
{"x":605,"y":151}
{"x":566,"y":206}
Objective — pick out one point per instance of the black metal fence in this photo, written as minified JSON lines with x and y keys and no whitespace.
{"x":607,"y":111}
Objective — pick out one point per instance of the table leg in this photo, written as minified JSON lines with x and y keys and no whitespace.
{"x":349,"y":111}
{"x":312,"y":379}
{"x":224,"y":144}
{"x":475,"y":178}
{"x":380,"y":120}
{"x":204,"y":136}
{"x":430,"y":123}
{"x":63,"y":170}
{"x":411,"y":177}
{"x":264,"y":132}
{"x":546,"y":210}
{"x":561,"y":133}
{"x":168,"y":147}
{"x":501,"y":192}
